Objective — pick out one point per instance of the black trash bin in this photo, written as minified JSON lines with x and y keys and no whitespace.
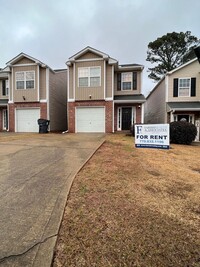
{"x":43,"y":125}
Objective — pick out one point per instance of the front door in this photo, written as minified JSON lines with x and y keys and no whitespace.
{"x":5,"y":119}
{"x":126,"y":118}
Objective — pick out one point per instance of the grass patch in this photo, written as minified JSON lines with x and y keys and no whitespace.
{"x":133,"y":207}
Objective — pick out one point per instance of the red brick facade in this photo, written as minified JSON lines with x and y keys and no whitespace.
{"x":108,"y":113}
{"x":12,"y":107}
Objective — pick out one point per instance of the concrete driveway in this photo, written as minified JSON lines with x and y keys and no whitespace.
{"x":36,"y":172}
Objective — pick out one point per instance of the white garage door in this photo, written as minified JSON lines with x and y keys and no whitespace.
{"x":26,"y":120}
{"x":90,"y":120}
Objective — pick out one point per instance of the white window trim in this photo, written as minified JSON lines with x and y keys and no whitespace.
{"x":119,"y":116}
{"x":191,"y":117}
{"x":89,"y":77}
{"x":5,"y":117}
{"x":185,"y":78}
{"x":24,"y":80}
{"x":127,"y":72}
{"x":7,"y":87}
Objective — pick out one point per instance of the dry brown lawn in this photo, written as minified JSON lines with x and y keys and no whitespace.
{"x":133,"y":207}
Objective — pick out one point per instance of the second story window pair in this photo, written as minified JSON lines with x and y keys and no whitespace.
{"x":89,"y":77}
{"x":127,"y":81}
{"x":25,"y":80}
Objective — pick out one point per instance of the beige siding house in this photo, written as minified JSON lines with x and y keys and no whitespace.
{"x":31,"y":90}
{"x":176,"y":96}
{"x":103,"y":96}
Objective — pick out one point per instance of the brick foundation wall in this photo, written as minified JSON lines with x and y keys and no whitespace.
{"x":108,"y":113}
{"x":12,"y":107}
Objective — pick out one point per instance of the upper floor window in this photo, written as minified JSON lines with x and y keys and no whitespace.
{"x":25,"y":80}
{"x":127,"y":81}
{"x":184,"y":87}
{"x":89,"y":77}
{"x":5,"y":87}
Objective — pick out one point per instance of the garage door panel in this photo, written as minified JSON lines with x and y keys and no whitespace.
{"x":26,"y":120}
{"x":90,"y":119}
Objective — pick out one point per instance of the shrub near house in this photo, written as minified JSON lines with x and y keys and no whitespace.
{"x":182,"y":132}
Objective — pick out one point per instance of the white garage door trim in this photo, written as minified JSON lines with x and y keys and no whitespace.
{"x":26,"y":119}
{"x":90,"y":125}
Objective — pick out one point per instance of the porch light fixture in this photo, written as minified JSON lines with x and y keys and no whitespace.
{"x":139,"y":106}
{"x":90,"y":96}
{"x":24,"y":97}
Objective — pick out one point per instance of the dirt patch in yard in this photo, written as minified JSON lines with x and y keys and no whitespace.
{"x":133,"y":207}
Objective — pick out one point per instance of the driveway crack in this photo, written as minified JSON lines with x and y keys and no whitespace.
{"x":27,"y":250}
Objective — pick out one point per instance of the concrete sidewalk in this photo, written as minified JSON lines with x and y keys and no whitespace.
{"x":36,"y":175}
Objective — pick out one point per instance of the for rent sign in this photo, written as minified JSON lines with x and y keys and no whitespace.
{"x":152,"y":135}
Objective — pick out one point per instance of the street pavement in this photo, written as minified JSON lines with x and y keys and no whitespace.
{"x":36,"y":173}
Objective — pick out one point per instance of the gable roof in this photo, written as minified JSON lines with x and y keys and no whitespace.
{"x":88,"y":49}
{"x":92,"y":50}
{"x":22,"y":55}
{"x":182,"y":66}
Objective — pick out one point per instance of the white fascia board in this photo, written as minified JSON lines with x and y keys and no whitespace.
{"x":112,"y":61}
{"x":130,"y":68}
{"x":88,"y":49}
{"x":185,"y":109}
{"x":129,"y":101}
{"x":71,"y":100}
{"x":182,"y":66}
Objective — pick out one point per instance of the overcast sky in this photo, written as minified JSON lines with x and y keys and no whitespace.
{"x":52,"y":31}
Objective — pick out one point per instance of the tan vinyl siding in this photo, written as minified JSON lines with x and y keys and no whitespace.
{"x":109,"y":81}
{"x":190,"y":71}
{"x":83,"y":93}
{"x":155,"y":107}
{"x":42,"y":83}
{"x":30,"y":95}
{"x":71,"y":84}
{"x":89,"y":55}
{"x":127,"y":92}
{"x":24,"y":60}
{"x":58,"y":100}
{"x":1,"y":91}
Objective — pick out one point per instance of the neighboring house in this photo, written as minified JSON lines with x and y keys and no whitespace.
{"x":30,"y":90}
{"x":103,"y":96}
{"x":176,"y":96}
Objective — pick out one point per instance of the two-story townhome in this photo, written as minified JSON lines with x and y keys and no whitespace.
{"x":176,"y":97}
{"x":31,"y":90}
{"x":103,"y":96}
